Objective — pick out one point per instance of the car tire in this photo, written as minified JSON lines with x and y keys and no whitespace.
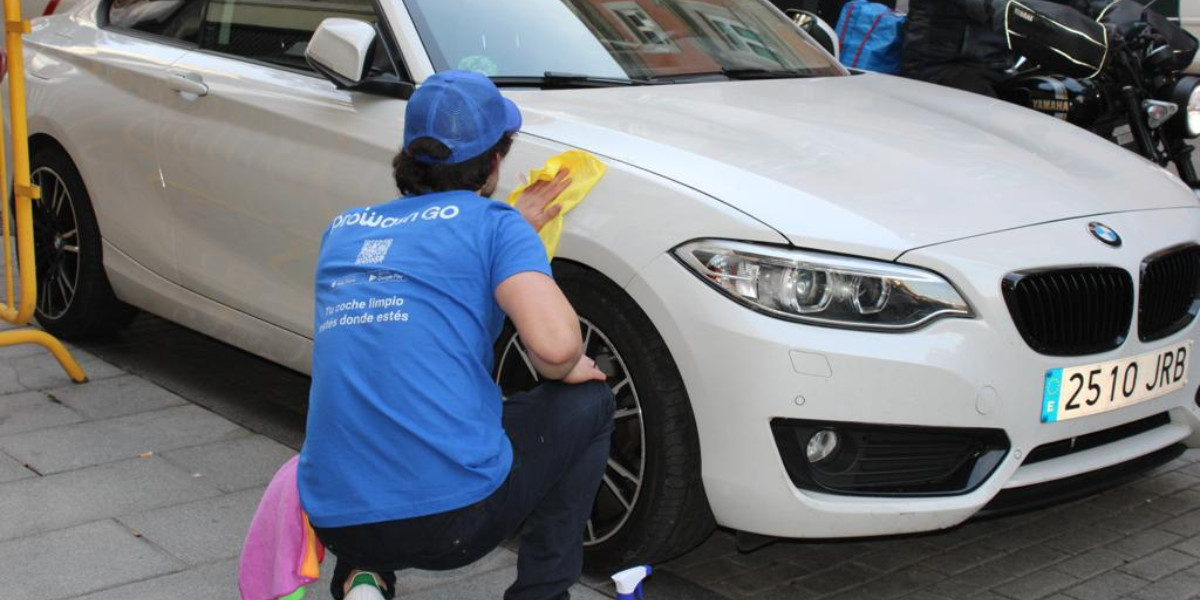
{"x":68,"y":250}
{"x":670,"y":513}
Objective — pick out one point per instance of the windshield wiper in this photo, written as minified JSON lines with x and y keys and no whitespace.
{"x":760,"y":73}
{"x":554,"y":80}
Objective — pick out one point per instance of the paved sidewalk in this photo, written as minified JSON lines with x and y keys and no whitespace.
{"x":94,"y":516}
{"x":121,"y":490}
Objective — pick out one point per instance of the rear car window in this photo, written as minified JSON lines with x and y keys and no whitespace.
{"x":177,"y":19}
{"x":273,"y":31}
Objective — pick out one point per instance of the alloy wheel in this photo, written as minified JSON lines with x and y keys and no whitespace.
{"x":56,"y":244}
{"x":624,"y":475}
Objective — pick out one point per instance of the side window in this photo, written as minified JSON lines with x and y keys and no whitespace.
{"x":178,"y":19}
{"x":275,"y":31}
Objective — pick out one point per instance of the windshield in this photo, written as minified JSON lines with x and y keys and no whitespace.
{"x":620,"y":39}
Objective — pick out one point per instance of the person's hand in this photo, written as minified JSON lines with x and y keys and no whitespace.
{"x":585,"y":370}
{"x":534,"y":202}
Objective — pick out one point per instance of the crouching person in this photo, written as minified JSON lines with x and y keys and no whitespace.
{"x":413,"y":459}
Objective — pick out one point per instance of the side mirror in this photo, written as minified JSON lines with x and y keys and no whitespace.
{"x":343,"y":50}
{"x":340,"y":49}
{"x":817,"y":29}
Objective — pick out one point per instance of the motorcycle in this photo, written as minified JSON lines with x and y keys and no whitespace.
{"x":1142,"y":100}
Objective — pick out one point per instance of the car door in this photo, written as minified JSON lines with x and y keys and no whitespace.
{"x":116,"y":89}
{"x":260,"y":153}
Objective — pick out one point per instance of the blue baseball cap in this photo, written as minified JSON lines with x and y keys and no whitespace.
{"x":464,"y":111}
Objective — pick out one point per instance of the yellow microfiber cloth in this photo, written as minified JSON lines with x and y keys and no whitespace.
{"x":586,"y":171}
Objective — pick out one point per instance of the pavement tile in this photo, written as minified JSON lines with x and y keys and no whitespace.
{"x":1037,"y":585}
{"x":1180,"y":586}
{"x":1160,"y":564}
{"x":489,"y":585}
{"x":923,"y":595}
{"x":1107,"y":586}
{"x":78,"y":560}
{"x":99,"y":442}
{"x":9,"y":384}
{"x":1192,"y":469}
{"x":900,"y":555}
{"x":956,"y":587}
{"x":1025,"y":535}
{"x":217,"y":581}
{"x":1144,"y":542}
{"x":894,"y":585}
{"x":1191,"y":546}
{"x":997,"y":572}
{"x":838,"y":578}
{"x":1133,"y":521}
{"x":818,"y":557}
{"x":1080,"y":540}
{"x":1174,"y":465}
{"x":1169,"y":483}
{"x":970,"y":532}
{"x":10,"y":352}
{"x":42,"y":504}
{"x":718,"y":544}
{"x":43,"y":372}
{"x":1186,"y":525}
{"x":664,"y":585}
{"x":1124,"y":498}
{"x":199,"y":532}
{"x":1178,"y":503}
{"x":1092,"y":563}
{"x":116,"y":397}
{"x":231,"y":465}
{"x":756,"y":581}
{"x":961,"y":559}
{"x":714,"y":570}
{"x":1086,"y":513}
{"x":30,"y":411}
{"x":781,"y":551}
{"x":11,"y":470}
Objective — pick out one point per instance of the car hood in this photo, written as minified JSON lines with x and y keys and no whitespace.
{"x":869,"y":164}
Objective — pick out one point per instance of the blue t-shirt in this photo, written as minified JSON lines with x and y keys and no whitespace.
{"x":404,"y":417}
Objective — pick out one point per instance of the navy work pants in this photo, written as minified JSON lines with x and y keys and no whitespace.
{"x":560,"y":436}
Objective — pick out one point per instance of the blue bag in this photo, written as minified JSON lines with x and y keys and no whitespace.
{"x":871,"y":36}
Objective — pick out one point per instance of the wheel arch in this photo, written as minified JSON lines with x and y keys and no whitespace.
{"x":696,"y":517}
{"x":41,"y":141}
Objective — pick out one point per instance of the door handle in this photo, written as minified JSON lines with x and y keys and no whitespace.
{"x":189,"y":85}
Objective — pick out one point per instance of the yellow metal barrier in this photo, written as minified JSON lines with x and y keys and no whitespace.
{"x":25,"y":193}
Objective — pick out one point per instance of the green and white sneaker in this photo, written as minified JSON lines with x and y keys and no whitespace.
{"x":365,"y":586}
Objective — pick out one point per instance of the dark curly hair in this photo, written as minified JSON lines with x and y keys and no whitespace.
{"x":415,"y":177}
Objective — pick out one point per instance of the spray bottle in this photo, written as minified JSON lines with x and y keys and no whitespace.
{"x":629,"y":582}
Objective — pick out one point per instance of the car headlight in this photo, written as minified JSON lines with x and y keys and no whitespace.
{"x":824,"y":289}
{"x":1187,"y":95}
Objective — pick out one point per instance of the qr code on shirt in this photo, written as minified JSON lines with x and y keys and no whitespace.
{"x":373,"y":252}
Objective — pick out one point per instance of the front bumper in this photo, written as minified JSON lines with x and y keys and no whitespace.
{"x":743,"y":370}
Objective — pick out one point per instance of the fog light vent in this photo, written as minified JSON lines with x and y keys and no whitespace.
{"x":874,"y":460}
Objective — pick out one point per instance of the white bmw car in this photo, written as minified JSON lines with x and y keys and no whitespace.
{"x":831,"y":304}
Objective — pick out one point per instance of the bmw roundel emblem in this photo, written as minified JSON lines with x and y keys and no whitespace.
{"x":1105,"y":234}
